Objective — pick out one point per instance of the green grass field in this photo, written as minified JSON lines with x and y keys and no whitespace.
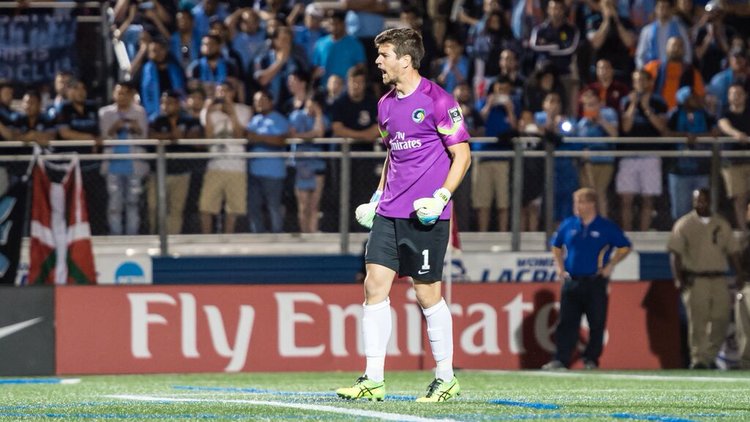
{"x":486,"y":396}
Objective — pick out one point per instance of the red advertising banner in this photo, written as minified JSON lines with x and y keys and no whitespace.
{"x":152,"y":329}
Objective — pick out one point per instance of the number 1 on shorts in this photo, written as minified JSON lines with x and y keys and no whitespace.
{"x":426,"y":263}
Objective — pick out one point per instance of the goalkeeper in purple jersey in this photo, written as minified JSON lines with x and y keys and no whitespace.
{"x":409,"y":215}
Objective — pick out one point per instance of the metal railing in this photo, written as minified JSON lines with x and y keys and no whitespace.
{"x":345,"y":156}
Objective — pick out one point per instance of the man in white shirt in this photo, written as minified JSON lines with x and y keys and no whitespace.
{"x":225,"y":180}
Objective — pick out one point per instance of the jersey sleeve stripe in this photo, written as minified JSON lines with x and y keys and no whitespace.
{"x":452,"y":130}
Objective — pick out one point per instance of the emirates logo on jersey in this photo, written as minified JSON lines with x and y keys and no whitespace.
{"x":399,"y":142}
{"x":418,"y":115}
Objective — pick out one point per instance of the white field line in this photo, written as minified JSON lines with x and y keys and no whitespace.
{"x":303,"y":406}
{"x":566,"y":374}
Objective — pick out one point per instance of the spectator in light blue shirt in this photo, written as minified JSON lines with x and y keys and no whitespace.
{"x":307,"y":123}
{"x":597,"y":121}
{"x":247,"y":35}
{"x":337,"y":52}
{"x":453,"y":69}
{"x":266,"y":132}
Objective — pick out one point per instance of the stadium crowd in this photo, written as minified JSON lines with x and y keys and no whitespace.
{"x":269,"y":70}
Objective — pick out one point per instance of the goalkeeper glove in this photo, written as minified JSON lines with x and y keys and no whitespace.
{"x":365,"y":213}
{"x":429,"y":209}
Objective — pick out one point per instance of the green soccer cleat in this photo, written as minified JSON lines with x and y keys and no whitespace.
{"x":440,"y":391}
{"x":363,"y":388}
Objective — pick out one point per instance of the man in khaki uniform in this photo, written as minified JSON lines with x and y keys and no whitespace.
{"x":742,"y":306}
{"x":699,"y":246}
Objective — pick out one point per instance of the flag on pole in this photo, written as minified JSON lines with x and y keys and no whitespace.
{"x":61,"y":250}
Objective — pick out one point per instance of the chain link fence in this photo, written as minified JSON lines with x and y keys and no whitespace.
{"x":215,"y":186}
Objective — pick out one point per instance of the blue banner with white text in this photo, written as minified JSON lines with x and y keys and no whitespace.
{"x":36,"y":45}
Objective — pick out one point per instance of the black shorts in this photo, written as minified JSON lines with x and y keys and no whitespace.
{"x":408,"y":247}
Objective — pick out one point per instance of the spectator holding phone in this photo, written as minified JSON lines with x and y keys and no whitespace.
{"x":124,"y":119}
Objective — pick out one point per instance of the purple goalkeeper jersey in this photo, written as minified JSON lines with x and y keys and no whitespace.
{"x":417,"y":130}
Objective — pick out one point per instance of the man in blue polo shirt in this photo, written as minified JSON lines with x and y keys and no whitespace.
{"x":266,"y":132}
{"x":584,"y":258}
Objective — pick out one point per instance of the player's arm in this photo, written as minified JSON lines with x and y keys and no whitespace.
{"x":383,"y":175}
{"x":460,"y":161}
{"x":429,"y":209}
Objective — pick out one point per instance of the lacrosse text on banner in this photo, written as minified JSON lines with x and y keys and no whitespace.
{"x":60,"y":233}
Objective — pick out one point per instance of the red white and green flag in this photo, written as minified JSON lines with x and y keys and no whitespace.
{"x":61,"y":250}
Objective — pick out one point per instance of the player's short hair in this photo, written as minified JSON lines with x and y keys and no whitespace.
{"x":586,"y":194}
{"x":405,"y":41}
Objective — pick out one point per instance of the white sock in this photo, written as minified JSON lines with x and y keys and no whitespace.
{"x":376,"y":332}
{"x":440,"y":333}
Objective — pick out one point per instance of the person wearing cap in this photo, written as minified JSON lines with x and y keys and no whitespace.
{"x":736,"y":72}
{"x":307,"y":34}
{"x":685,"y":175}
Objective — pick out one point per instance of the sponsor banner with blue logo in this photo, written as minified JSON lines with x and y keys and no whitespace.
{"x":539,"y":267}
{"x":119,"y":269}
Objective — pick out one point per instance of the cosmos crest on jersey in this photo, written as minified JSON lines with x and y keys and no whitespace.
{"x":418,"y":115}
